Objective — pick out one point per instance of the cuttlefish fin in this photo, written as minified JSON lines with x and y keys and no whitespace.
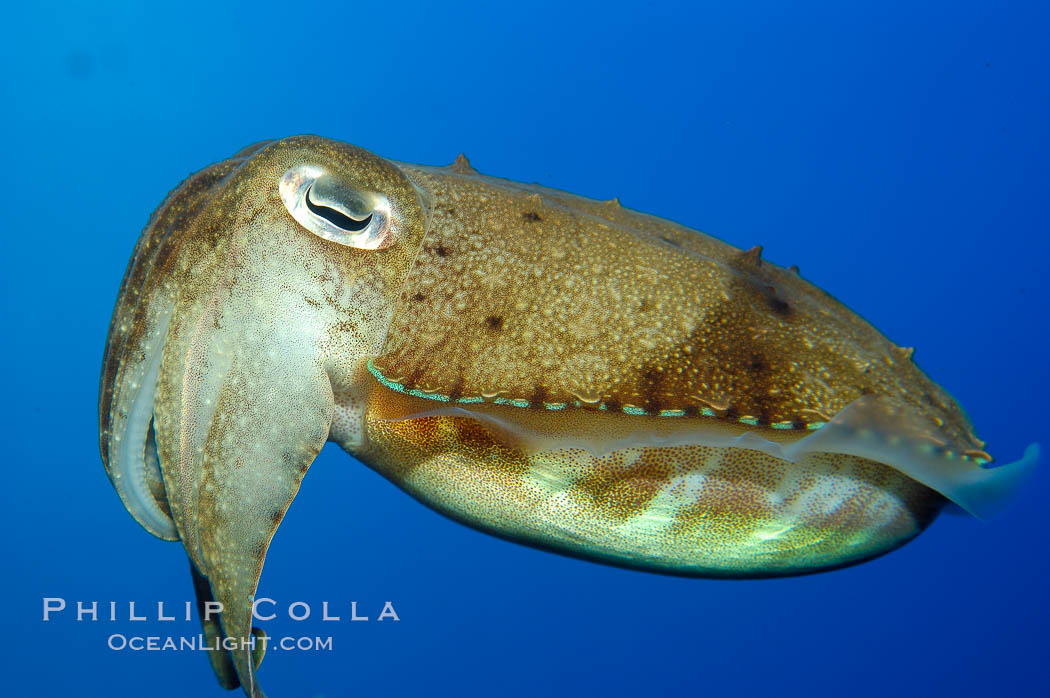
{"x":262,"y":439}
{"x":878,"y":429}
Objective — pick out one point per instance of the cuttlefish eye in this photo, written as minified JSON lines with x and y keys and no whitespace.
{"x":333,"y":210}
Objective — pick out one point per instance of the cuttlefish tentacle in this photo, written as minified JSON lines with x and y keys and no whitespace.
{"x":221,"y":661}
{"x":215,"y":638}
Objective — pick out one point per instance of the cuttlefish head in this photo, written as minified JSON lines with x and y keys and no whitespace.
{"x":254,"y":296}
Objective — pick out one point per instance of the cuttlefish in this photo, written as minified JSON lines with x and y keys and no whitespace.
{"x":562,"y":372}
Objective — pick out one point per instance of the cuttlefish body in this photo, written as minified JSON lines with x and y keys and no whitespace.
{"x":562,"y":372}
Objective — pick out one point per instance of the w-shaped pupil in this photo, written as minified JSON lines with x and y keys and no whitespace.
{"x":337,"y":218}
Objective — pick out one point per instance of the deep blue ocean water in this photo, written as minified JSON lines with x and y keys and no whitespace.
{"x":897,"y":152}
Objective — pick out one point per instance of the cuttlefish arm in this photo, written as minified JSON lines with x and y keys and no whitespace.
{"x":234,"y":328}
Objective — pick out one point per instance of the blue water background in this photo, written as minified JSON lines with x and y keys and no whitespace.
{"x":897,"y":152}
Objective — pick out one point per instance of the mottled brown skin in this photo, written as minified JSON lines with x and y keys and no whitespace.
{"x":550,"y":297}
{"x":505,"y":357}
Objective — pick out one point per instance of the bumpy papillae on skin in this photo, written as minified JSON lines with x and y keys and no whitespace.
{"x":530,"y":296}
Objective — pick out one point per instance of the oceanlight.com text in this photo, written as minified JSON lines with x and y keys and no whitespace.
{"x":168,"y":643}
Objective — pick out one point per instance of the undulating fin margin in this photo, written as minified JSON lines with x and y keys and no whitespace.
{"x":626,"y":409}
{"x":864,"y":429}
{"x":521,"y":402}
